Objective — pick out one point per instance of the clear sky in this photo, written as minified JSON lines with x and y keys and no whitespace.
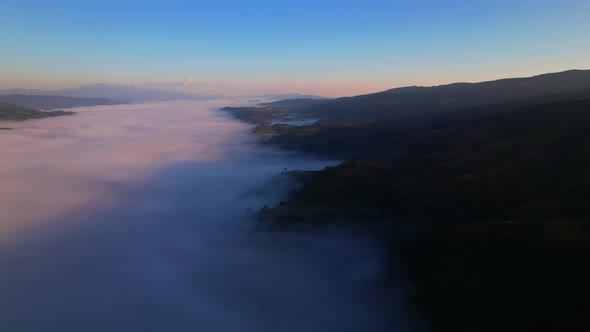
{"x":324,"y":47}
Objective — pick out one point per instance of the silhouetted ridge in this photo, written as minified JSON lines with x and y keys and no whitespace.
{"x":411,"y":101}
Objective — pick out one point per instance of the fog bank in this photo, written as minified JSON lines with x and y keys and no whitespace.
{"x":134,"y":218}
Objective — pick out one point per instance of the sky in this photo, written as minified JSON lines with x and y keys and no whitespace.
{"x":330,"y":48}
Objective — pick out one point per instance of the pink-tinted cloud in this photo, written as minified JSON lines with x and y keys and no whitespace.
{"x":66,"y":164}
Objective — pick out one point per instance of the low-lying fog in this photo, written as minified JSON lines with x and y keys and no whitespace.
{"x":134,"y":218}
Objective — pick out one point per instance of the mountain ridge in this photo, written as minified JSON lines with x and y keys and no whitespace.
{"x":408,"y":101}
{"x":48,"y":102}
{"x":127,"y":94}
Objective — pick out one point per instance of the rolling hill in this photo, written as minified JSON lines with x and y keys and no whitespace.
{"x":411,"y":101}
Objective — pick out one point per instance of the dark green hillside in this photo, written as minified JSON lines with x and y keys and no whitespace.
{"x":501,"y":201}
{"x":19,"y":113}
{"x":530,"y":163}
{"x":377,"y":138}
{"x":493,"y":177}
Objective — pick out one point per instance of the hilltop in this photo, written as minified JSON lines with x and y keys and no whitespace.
{"x":411,"y":101}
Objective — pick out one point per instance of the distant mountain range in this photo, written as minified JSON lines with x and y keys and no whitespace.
{"x":52,"y":102}
{"x":131,"y":94}
{"x":126,"y":94}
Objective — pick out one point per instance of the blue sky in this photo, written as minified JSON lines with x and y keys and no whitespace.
{"x":326,"y":47}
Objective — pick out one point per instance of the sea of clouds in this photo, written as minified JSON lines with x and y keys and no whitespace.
{"x":136,"y":218}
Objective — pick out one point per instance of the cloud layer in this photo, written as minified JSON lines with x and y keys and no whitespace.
{"x":135,"y":218}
